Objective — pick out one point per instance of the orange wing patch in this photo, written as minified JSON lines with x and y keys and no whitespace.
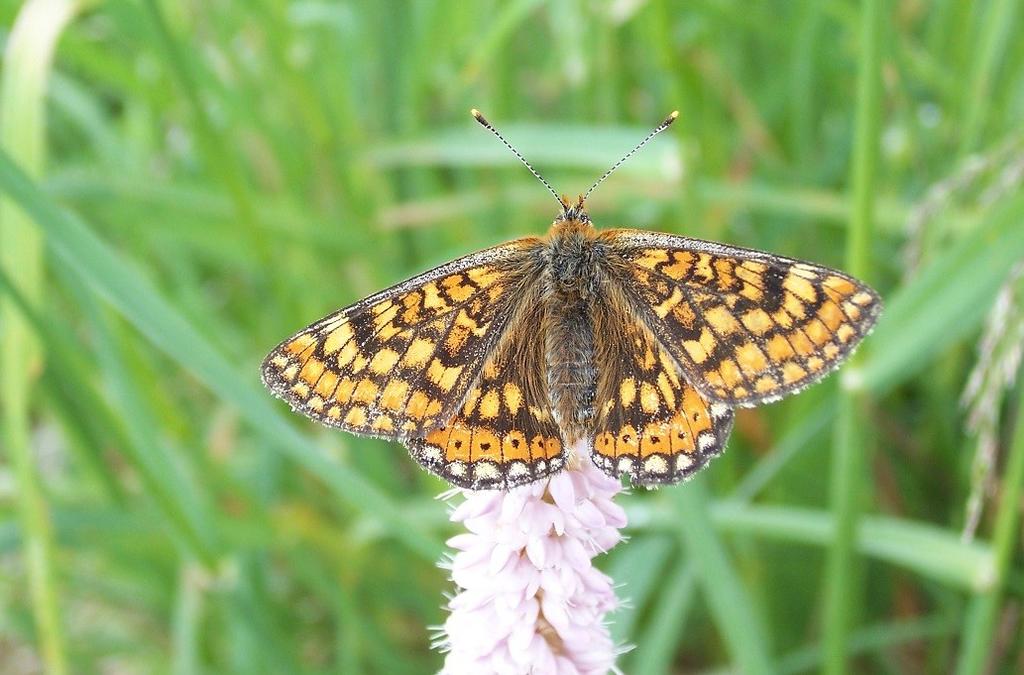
{"x":651,"y":424}
{"x":747,"y":327}
{"x":504,"y":434}
{"x":399,"y":362}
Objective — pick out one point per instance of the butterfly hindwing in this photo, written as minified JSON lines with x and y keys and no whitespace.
{"x":400,"y":361}
{"x":746,"y":327}
{"x":504,"y":435}
{"x":651,"y":424}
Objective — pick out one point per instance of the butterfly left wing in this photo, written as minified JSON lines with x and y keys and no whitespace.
{"x":747,"y":327}
{"x":504,"y":435}
{"x":651,"y":424}
{"x":400,"y":362}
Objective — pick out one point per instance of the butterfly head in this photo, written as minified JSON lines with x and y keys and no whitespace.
{"x":573,"y":210}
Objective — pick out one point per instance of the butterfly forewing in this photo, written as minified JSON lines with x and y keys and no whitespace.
{"x":399,"y":362}
{"x":746,"y":327}
{"x":504,"y":435}
{"x":651,"y":424}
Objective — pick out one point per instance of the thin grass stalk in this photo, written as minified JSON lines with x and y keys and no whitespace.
{"x":26,"y":71}
{"x":803,"y":92}
{"x":926,"y":550}
{"x":979,"y":627}
{"x":875,"y":638}
{"x":169,"y":476}
{"x":639,"y":569}
{"x":660,"y":640}
{"x":848,"y":480}
{"x":499,"y":31}
{"x":216,"y":150}
{"x":185,"y":623}
{"x":337,"y":586}
{"x":731,"y":607}
{"x":189,"y":517}
{"x":997,"y":24}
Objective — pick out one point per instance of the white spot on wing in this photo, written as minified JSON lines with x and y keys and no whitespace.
{"x":683,"y":462}
{"x":485,"y":471}
{"x":656,"y":464}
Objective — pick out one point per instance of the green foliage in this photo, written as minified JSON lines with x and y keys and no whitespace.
{"x":219,"y":174}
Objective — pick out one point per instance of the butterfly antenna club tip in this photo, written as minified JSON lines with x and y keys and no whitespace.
{"x":478,"y":116}
{"x":654,"y":132}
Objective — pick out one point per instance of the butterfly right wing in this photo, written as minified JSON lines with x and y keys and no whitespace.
{"x":651,"y":424}
{"x":401,"y":361}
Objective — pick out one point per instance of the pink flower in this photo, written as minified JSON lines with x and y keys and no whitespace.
{"x":530,"y":600}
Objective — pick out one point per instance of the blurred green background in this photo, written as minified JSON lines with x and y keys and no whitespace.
{"x":184,"y":183}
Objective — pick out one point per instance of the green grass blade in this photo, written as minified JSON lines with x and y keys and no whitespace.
{"x":733,"y":611}
{"x":871,"y":638}
{"x":26,"y":70}
{"x":927,"y":550}
{"x":981,"y":614}
{"x":784,"y":450}
{"x":996,"y":29}
{"x":557,"y":145}
{"x":157,"y":470}
{"x":944,"y":303}
{"x":136,"y":298}
{"x":217,"y":152}
{"x":499,"y":32}
{"x":848,"y":481}
{"x":185,"y":626}
{"x":803,"y":91}
{"x":656,"y":171}
{"x":660,"y":640}
{"x":173,"y":487}
{"x":638,"y":569}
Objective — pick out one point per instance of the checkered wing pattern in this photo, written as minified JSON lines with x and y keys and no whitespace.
{"x":399,"y":363}
{"x":505,"y":434}
{"x":746,"y":327}
{"x":651,"y":424}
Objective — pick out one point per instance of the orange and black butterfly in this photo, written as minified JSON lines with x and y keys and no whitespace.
{"x":639,"y":344}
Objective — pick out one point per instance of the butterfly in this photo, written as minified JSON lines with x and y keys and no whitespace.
{"x":640,"y":345}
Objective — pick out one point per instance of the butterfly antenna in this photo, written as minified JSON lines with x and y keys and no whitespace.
{"x":487,"y":125}
{"x":657,"y":130}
